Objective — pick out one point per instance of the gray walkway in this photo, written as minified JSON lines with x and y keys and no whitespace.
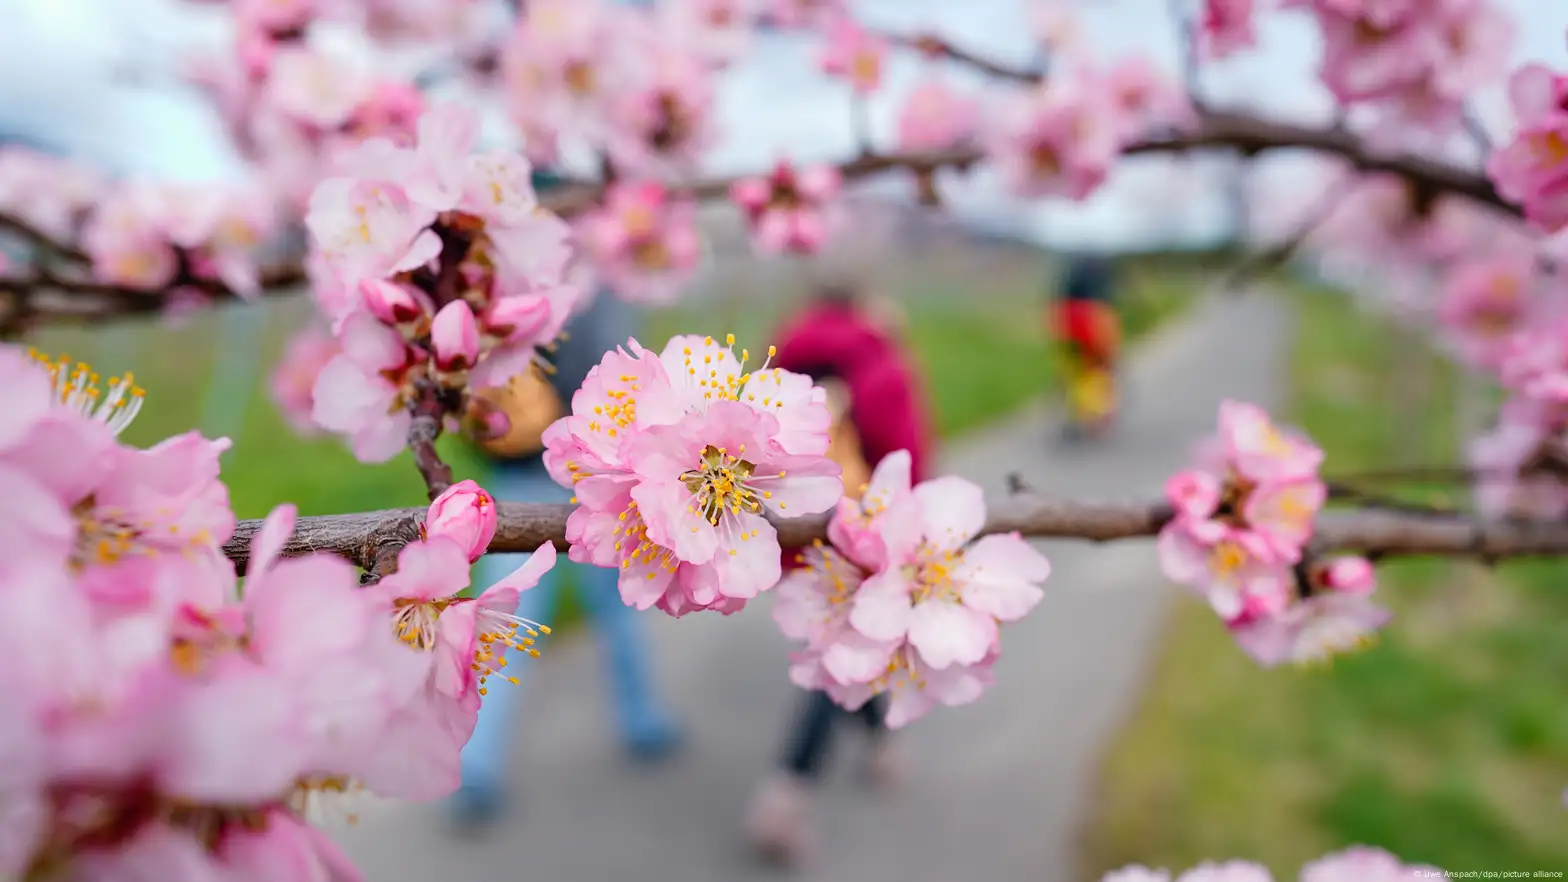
{"x":996,"y":789}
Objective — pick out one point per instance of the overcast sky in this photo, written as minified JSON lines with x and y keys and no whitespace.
{"x":58,"y":60}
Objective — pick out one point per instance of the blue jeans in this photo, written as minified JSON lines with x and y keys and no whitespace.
{"x":644,"y":724}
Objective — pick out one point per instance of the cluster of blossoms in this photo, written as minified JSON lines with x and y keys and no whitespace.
{"x":1061,"y":137}
{"x":675,"y":459}
{"x":158,"y":236}
{"x":636,"y":82}
{"x":1415,"y":61}
{"x":643,"y":241}
{"x":790,"y":210}
{"x":305,"y":80}
{"x":440,"y":274}
{"x":905,"y":600}
{"x":1532,"y":168}
{"x":1241,"y":521}
{"x":159,"y":715}
{"x":1355,"y":864}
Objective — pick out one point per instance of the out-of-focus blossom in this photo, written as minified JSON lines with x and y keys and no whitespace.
{"x":789,"y":211}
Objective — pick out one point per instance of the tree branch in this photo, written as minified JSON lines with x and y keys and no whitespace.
{"x":365,"y":538}
{"x":1215,"y":130}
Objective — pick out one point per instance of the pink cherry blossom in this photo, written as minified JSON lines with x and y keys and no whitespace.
{"x":460,"y":642}
{"x":126,"y":239}
{"x":935,"y":117}
{"x":48,"y":192}
{"x":946,"y":597}
{"x":857,"y":525}
{"x":1260,"y":451}
{"x":1228,"y":871}
{"x":1362,"y":864}
{"x":813,"y":606}
{"x":803,"y":13}
{"x":854,"y":54}
{"x":913,"y":685}
{"x":466,"y":514}
{"x":1534,"y":362}
{"x":644,"y":241}
{"x":361,"y":391}
{"x":718,"y":30}
{"x":674,"y":461}
{"x":1234,"y":569}
{"x":1508,"y":482}
{"x":788,"y":210}
{"x":370,"y":229}
{"x":320,"y":82}
{"x":668,"y":120}
{"x":1532,"y":169}
{"x":1226,"y":27}
{"x":1487,"y":302}
{"x":1137,"y":873}
{"x":294,"y":378}
{"x":1059,"y":138}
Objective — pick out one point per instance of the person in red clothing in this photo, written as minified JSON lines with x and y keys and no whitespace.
{"x":1087,"y":329}
{"x":850,"y":346}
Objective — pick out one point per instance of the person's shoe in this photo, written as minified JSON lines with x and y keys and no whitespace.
{"x":887,"y":766}
{"x":475,"y":809}
{"x":653,"y":743}
{"x":778,"y":821}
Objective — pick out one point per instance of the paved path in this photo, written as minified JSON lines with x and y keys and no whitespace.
{"x":996,"y":789}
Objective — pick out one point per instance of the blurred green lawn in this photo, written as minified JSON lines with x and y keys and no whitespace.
{"x":1445,"y":743}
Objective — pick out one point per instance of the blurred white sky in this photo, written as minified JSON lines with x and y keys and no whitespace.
{"x":58,"y":86}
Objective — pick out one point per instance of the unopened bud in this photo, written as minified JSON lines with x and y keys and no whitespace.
{"x":393,"y":303}
{"x":466,"y":514}
{"x":517,"y":317}
{"x":455,"y":337}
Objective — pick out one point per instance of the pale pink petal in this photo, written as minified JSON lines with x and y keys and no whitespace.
{"x":883,"y":607}
{"x":947,"y":634}
{"x":952,"y":511}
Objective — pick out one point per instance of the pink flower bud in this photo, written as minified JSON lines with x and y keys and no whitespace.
{"x":466,"y":514}
{"x":393,"y":303}
{"x":517,"y":317}
{"x":1349,"y":575}
{"x":484,"y":420}
{"x":455,"y":337}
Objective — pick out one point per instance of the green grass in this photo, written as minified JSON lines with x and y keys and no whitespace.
{"x":1446,"y":743}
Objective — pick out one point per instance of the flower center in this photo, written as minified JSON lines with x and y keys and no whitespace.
{"x":323,"y":798}
{"x":105,"y":535}
{"x":414,"y":621}
{"x":1044,"y":161}
{"x":722,"y":481}
{"x":651,"y":254}
{"x":1550,"y":149}
{"x":865,"y":67}
{"x":579,"y":77}
{"x":839,"y":576}
{"x":1226,"y":557}
{"x":76,"y":386}
{"x":933,"y":576}
{"x":674,"y":126}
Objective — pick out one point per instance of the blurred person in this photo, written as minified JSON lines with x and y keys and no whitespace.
{"x":532,"y":402}
{"x":852,"y":346}
{"x":1087,"y":332}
